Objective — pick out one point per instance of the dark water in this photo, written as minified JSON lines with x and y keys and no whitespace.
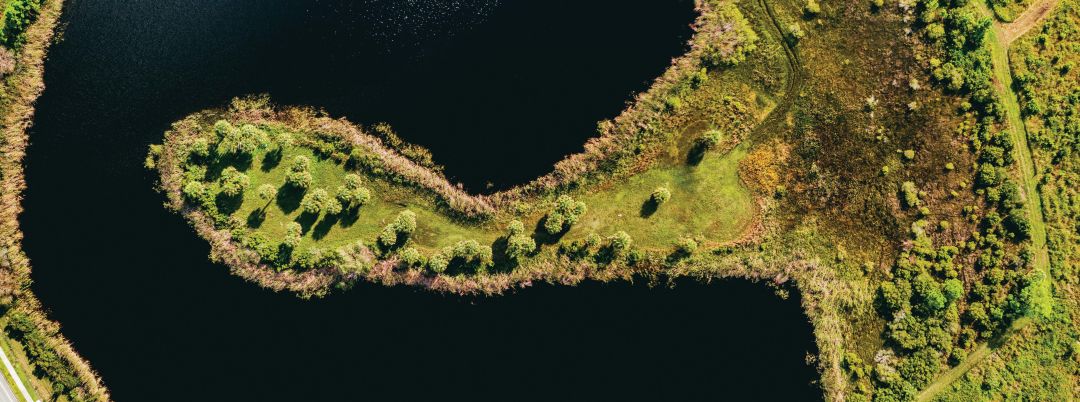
{"x":517,"y":85}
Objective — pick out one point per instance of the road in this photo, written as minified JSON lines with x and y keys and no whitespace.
{"x":7,"y":394}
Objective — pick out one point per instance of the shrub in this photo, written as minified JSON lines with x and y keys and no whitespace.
{"x":660,"y":195}
{"x":411,"y":256}
{"x":293,"y":231}
{"x":812,"y":8}
{"x":620,"y":241}
{"x":18,"y":15}
{"x":233,"y":183}
{"x":438,"y":263}
{"x":909,"y":154}
{"x":314,"y":202}
{"x":299,"y":175}
{"x":711,"y":139}
{"x":519,"y":245}
{"x":686,"y":246}
{"x":333,"y":206}
{"x":987,"y":175}
{"x":909,"y":194}
{"x":405,"y":223}
{"x":566,"y":213}
{"x":1018,"y":223}
{"x":472,"y":252}
{"x":194,"y":191}
{"x":267,"y":192}
{"x":301,"y":179}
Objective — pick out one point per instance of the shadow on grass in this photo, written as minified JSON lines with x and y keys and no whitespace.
{"x":256,"y":218}
{"x":226,"y":204}
{"x":323,"y":228}
{"x":348,"y":217}
{"x":306,"y":221}
{"x":541,"y":235}
{"x":696,"y":154}
{"x":288,"y":197}
{"x":271,"y":160}
{"x":648,"y":208}
{"x":218,"y":163}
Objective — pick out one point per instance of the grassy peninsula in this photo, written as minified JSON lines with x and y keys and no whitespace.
{"x":891,"y":159}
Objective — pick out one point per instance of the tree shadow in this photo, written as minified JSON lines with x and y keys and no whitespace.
{"x":256,"y":218}
{"x":288,"y":197}
{"x":217,"y":164}
{"x":541,"y":235}
{"x":226,"y":204}
{"x":348,"y":217}
{"x":323,"y":228}
{"x":648,"y":208}
{"x":501,"y":263}
{"x":696,"y":154}
{"x":271,"y":160}
{"x":306,"y":221}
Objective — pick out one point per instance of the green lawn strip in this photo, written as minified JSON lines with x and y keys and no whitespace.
{"x":1033,"y":204}
{"x":435,"y":230}
{"x":20,"y":362}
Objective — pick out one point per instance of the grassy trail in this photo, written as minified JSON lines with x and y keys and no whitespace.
{"x":999,"y":39}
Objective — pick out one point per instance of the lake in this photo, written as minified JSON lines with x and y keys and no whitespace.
{"x":499,"y":91}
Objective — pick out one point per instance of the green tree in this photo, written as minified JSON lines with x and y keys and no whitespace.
{"x":267,"y":192}
{"x":660,"y":195}
{"x":620,"y":241}
{"x":711,"y":139}
{"x":233,"y":183}
{"x":293,"y":232}
{"x":313,"y":202}
{"x":566,"y":213}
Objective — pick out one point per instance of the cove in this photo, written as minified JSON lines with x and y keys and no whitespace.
{"x":498,"y":91}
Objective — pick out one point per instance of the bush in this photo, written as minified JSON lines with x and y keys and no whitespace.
{"x":233,"y":183}
{"x":267,"y":192}
{"x":620,"y":241}
{"x":686,"y":246}
{"x":437,"y":263}
{"x":909,"y":194}
{"x":1018,"y":224}
{"x":299,"y":179}
{"x":314,"y":202}
{"x":293,"y":232}
{"x":711,"y":139}
{"x":519,"y":245}
{"x":411,"y":256}
{"x":194,"y":191}
{"x":660,"y":195}
{"x":565,"y":214}
{"x":812,"y":8}
{"x":18,"y":15}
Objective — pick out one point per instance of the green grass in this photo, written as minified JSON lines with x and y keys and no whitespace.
{"x":434,"y":230}
{"x":707,"y":202}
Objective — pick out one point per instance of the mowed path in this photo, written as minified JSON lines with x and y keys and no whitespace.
{"x":1035,"y":14}
{"x":1001,"y":37}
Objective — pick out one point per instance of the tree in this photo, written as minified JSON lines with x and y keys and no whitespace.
{"x":333,"y":206}
{"x":438,"y":263}
{"x":620,"y":241}
{"x":293,"y":231}
{"x":660,"y":195}
{"x":565,"y":214}
{"x":909,"y":194}
{"x":518,"y":244}
{"x":353,"y":194}
{"x":313,"y":202}
{"x":686,"y":246}
{"x":267,"y":192}
{"x":233,"y":183}
{"x":1018,"y":223}
{"x":298,"y":175}
{"x":194,"y":190}
{"x":711,"y":139}
{"x":405,"y":223}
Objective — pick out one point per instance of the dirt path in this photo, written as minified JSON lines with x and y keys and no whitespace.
{"x":999,"y":41}
{"x":1036,"y":13}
